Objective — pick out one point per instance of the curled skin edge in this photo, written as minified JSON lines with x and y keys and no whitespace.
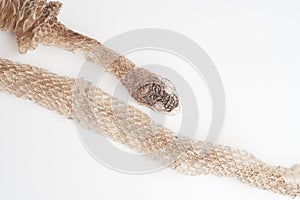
{"x":96,"y":110}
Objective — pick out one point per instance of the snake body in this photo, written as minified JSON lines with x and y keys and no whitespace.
{"x":96,"y":110}
{"x":34,"y":22}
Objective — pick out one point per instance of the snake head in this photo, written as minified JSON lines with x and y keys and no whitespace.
{"x":159,"y":97}
{"x":152,"y":90}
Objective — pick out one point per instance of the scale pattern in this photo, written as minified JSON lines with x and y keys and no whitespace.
{"x":96,"y":110}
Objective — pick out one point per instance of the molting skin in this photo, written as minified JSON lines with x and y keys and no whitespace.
{"x":94,"y":109}
{"x":35,"y":22}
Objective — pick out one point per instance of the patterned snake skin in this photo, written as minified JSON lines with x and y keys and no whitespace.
{"x":96,"y":110}
{"x":35,"y":22}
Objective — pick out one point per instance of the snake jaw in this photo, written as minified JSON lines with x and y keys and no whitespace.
{"x":170,"y":98}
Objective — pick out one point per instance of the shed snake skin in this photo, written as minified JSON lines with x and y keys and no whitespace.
{"x":96,"y":110}
{"x":35,"y":22}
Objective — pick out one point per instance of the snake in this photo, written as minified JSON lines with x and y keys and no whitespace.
{"x":94,"y":109}
{"x":35,"y":22}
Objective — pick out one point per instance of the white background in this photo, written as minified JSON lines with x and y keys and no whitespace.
{"x":255,"y":46}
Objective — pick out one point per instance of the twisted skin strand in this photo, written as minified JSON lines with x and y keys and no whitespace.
{"x":96,"y":110}
{"x":35,"y":22}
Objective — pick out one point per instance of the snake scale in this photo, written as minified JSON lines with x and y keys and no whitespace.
{"x":98,"y":111}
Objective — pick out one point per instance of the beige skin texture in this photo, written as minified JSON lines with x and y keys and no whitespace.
{"x":35,"y":22}
{"x":97,"y":111}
